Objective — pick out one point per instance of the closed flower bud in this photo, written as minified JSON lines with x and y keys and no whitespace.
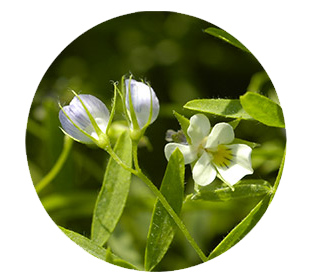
{"x":145,"y":104}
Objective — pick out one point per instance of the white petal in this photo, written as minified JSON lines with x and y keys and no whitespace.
{"x":222,"y":133}
{"x":186,"y":150}
{"x":241,"y":164}
{"x":140,"y":95}
{"x":203,"y":171}
{"x":71,"y":130}
{"x":199,"y":128}
{"x":78,"y":115}
{"x":97,"y":109}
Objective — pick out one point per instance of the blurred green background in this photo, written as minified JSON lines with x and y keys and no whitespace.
{"x":182,"y":63}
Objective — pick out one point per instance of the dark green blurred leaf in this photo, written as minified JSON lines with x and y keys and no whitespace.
{"x":242,"y":228}
{"x":230,"y":108}
{"x":184,"y":124}
{"x":263,"y":109}
{"x":113,"y":194}
{"x":243,"y":189}
{"x":162,"y":226}
{"x":96,"y":250}
{"x":223,"y":35}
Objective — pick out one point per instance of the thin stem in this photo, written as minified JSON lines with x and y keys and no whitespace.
{"x":161,"y":198}
{"x":57,"y":166}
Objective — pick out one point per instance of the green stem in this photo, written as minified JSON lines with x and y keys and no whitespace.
{"x":161,"y":198}
{"x":57,"y":166}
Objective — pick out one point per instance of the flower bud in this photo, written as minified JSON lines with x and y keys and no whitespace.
{"x":145,"y":104}
{"x":85,"y":120}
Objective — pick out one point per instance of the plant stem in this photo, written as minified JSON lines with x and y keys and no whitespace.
{"x":57,"y":166}
{"x":161,"y":198}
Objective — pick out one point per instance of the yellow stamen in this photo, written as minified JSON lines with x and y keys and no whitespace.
{"x":222,"y":156}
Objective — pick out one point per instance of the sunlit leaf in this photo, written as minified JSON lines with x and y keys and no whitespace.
{"x":263,"y":109}
{"x":162,"y":226}
{"x":113,"y":194}
{"x":243,"y":189}
{"x":230,"y":108}
{"x":223,"y":35}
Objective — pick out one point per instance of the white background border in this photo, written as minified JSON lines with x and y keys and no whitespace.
{"x":33,"y":33}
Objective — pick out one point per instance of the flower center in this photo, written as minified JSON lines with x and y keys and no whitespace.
{"x":222,"y":156}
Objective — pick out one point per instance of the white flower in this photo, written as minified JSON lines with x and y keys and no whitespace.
{"x":142,"y":95}
{"x":81,"y":126}
{"x":213,"y":153}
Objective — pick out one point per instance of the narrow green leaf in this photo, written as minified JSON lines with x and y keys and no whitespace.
{"x":162,"y":226}
{"x":242,"y":228}
{"x":223,"y":35}
{"x":184,"y":124}
{"x":263,"y":109}
{"x":234,"y":123}
{"x":230,"y":108}
{"x":242,"y":141}
{"x":243,"y":189}
{"x":110,"y":258}
{"x":96,"y":250}
{"x":113,"y":194}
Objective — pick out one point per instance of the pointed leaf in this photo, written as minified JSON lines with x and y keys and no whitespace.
{"x":263,"y":109}
{"x":96,"y":250}
{"x":243,"y":189}
{"x":242,"y":228}
{"x":113,"y":194}
{"x":223,"y":35}
{"x":162,"y":226}
{"x":230,"y":108}
{"x":184,"y":124}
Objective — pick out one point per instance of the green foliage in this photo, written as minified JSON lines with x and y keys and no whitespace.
{"x":223,"y":35}
{"x":96,"y":250}
{"x":162,"y":226}
{"x":250,"y":220}
{"x":242,"y":228}
{"x":113,"y":194}
{"x":230,"y":108}
{"x":243,"y":189}
{"x":263,"y":109}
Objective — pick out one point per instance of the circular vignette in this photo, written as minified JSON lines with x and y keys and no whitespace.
{"x":206,"y":72}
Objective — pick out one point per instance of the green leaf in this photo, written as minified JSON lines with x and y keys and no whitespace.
{"x":96,"y":250}
{"x":246,"y":142}
{"x":162,"y":226}
{"x":230,"y":108}
{"x":243,"y":189}
{"x":234,"y":123}
{"x":223,"y":35}
{"x":113,"y":194}
{"x":110,"y":258}
{"x":263,"y":109}
{"x":184,"y":124}
{"x":242,"y":228}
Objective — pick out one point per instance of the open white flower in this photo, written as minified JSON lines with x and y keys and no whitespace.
{"x":88,"y":123}
{"x":144,"y":102}
{"x":213,"y":153}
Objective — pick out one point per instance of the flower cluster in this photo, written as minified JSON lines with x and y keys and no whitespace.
{"x":211,"y":152}
{"x":86,"y":118}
